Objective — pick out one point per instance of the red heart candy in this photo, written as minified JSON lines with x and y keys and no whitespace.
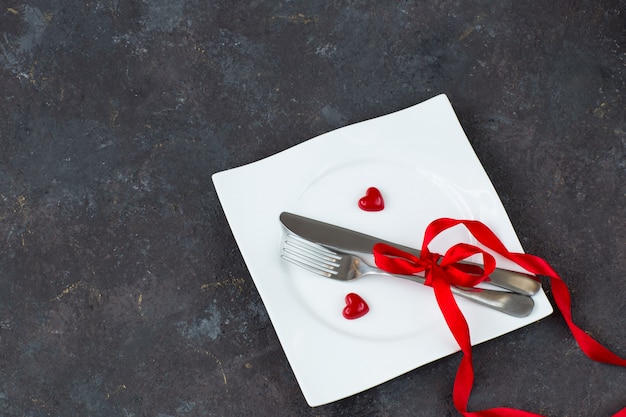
{"x":372,"y":200}
{"x":355,"y":307}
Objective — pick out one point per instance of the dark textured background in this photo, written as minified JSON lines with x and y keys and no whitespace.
{"x":122,"y":291}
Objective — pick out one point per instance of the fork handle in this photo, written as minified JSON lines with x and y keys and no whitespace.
{"x":513,"y":304}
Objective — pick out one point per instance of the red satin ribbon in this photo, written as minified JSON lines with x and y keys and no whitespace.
{"x":443,"y":271}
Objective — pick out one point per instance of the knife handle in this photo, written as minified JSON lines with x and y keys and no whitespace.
{"x":513,"y":304}
{"x":514,"y":281}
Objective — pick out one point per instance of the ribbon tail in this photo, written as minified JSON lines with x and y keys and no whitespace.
{"x":591,"y":347}
{"x":621,"y":413}
{"x":503,"y":412}
{"x":464,"y":380}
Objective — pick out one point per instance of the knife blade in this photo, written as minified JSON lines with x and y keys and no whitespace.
{"x":348,"y":240}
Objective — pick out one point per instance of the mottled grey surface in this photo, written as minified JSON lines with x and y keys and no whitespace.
{"x":122,"y":291}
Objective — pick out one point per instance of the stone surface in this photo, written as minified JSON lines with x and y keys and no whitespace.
{"x":122,"y":291}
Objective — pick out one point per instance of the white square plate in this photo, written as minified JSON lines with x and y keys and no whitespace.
{"x":422,"y":162}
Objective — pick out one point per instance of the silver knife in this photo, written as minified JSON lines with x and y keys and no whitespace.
{"x":350,"y":241}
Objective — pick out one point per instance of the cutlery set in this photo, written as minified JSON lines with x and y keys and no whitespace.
{"x":342,"y":254}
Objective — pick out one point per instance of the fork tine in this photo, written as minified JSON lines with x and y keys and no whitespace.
{"x":320,"y":252}
{"x":312,"y":257}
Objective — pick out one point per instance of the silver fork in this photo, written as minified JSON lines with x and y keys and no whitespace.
{"x":346,"y":267}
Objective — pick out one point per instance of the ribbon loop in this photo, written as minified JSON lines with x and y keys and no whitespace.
{"x":396,"y":261}
{"x":448,"y":267}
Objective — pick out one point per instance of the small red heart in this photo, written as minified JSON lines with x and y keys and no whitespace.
{"x":372,"y":200}
{"x":355,"y":307}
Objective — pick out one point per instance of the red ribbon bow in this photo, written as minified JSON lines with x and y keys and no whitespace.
{"x":443,"y":271}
